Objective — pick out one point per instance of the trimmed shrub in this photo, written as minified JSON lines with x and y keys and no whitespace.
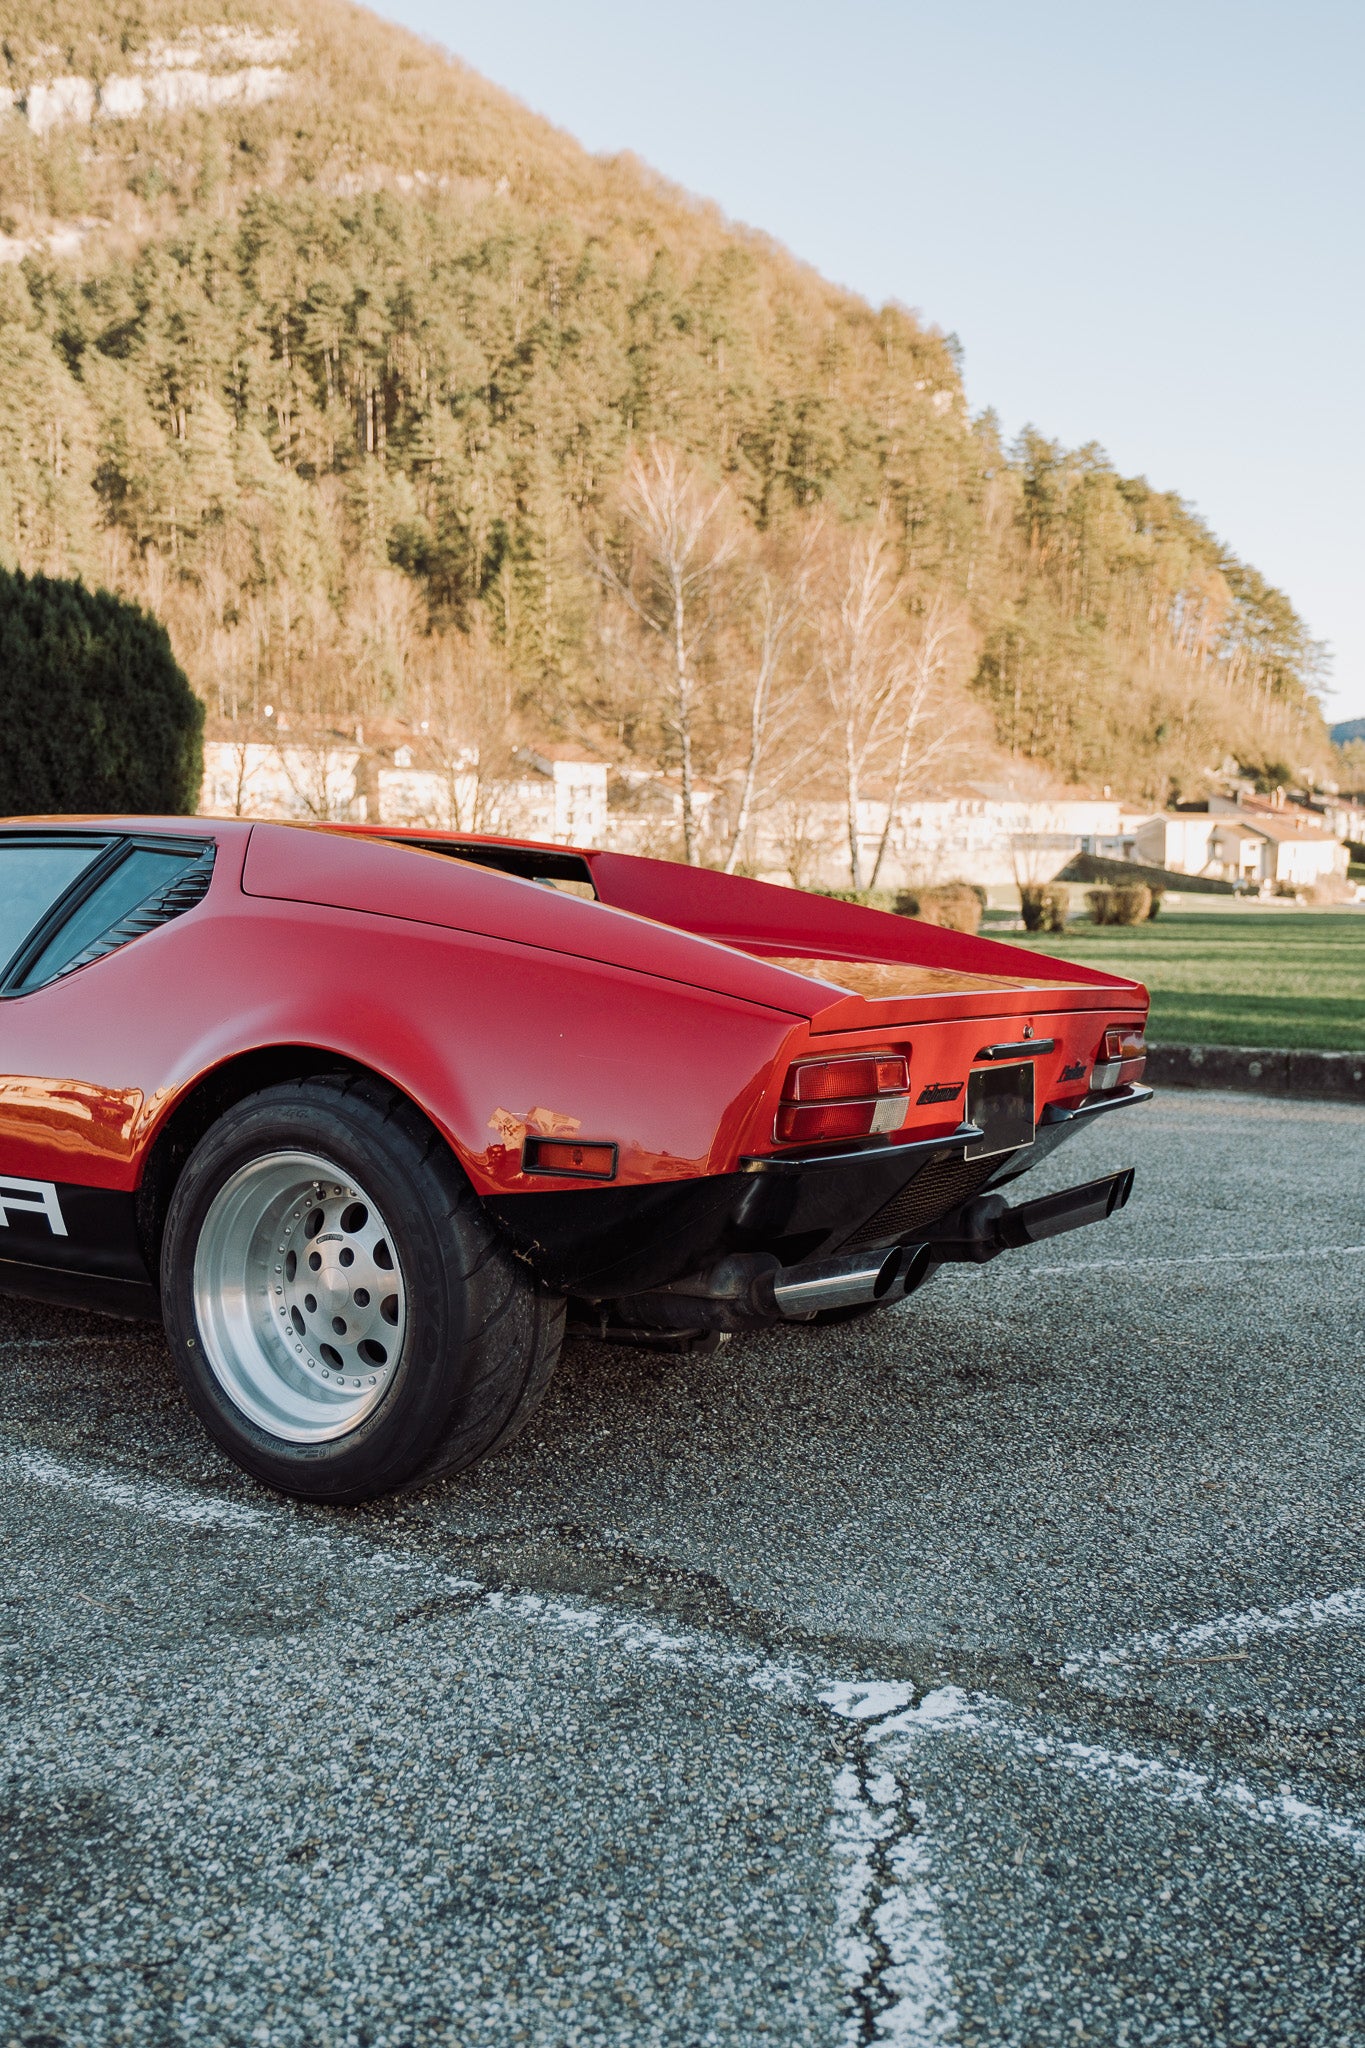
{"x":1033,"y":907}
{"x":1127,"y":903}
{"x":957,"y":906}
{"x":1157,"y":895}
{"x":95,"y":713}
{"x":1045,"y":906}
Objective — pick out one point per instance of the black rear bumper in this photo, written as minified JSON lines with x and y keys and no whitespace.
{"x":604,"y":1243}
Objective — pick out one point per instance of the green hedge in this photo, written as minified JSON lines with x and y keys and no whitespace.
{"x":95,"y":713}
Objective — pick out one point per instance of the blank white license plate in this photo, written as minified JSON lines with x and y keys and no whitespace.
{"x":1000,"y":1104}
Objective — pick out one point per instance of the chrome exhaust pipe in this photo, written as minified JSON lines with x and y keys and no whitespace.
{"x":748,"y":1290}
{"x":837,"y":1283}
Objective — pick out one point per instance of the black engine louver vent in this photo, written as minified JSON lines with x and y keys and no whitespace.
{"x":188,"y":888}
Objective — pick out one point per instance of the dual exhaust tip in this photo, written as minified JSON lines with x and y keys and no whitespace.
{"x":749,"y":1290}
{"x":972,"y":1235}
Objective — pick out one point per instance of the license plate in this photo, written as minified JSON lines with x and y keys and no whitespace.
{"x":1000,"y":1104}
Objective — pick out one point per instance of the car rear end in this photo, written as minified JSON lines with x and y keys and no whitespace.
{"x":874,"y":1151}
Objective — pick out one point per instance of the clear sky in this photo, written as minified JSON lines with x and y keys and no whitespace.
{"x":1144,"y":222}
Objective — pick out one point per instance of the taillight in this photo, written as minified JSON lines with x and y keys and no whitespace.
{"x":1123,"y":1057}
{"x":853,"y":1097}
{"x":847,"y":1080}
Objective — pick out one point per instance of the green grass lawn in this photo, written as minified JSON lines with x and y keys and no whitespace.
{"x":1234,"y":977}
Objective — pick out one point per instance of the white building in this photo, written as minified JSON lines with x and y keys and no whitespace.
{"x":1265,"y":849}
{"x":558,"y":795}
{"x":577,"y":792}
{"x":1178,"y":840}
{"x":1251,"y":843}
{"x":979,"y":832}
{"x":261,"y":779}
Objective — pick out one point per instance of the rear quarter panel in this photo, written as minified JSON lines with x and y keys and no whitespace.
{"x":488,"y":1037}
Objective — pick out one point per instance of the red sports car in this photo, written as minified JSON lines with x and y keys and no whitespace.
{"x":369,"y":1117}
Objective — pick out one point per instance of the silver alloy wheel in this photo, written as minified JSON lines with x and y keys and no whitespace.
{"x":299,"y":1297}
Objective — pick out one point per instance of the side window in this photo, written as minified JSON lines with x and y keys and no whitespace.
{"x":148,"y":886}
{"x":34,"y":875}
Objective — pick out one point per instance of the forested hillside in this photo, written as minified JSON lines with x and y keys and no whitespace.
{"x":339,"y":359}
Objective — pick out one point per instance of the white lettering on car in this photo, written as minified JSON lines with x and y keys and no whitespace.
{"x":34,"y":1198}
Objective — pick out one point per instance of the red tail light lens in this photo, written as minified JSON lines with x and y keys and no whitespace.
{"x":848,"y":1080}
{"x":851,"y":1097}
{"x":819,"y":1121}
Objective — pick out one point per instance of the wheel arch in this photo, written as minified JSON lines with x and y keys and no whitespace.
{"x":201,"y":1104}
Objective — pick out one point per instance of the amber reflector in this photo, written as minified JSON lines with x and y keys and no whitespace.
{"x":562,"y":1155}
{"x":1125,"y":1044}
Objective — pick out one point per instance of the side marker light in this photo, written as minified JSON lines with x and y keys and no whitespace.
{"x":566,"y":1156}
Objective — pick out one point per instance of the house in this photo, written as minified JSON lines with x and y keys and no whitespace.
{"x":985,"y":832}
{"x":1298,"y":845}
{"x":260,"y":778}
{"x":1343,"y":815}
{"x":1260,"y":843}
{"x":1179,"y":840}
{"x":1261,"y":848}
{"x":577,"y":791}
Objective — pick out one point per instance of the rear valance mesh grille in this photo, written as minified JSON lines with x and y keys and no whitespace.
{"x":936,"y":1189}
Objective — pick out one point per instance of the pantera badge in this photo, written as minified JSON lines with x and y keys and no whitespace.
{"x":1075,"y":1072}
{"x":940,"y":1091}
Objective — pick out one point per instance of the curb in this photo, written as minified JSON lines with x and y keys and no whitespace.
{"x":1333,"y":1076}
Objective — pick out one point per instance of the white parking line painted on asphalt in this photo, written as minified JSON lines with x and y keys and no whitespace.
{"x":1325,"y":1610}
{"x":892,"y":1948}
{"x":890,"y":1939}
{"x":179,"y":1504}
{"x":182,"y":1505}
{"x":1323,"y":1251}
{"x":1155,"y":1777}
{"x":1181,"y":1785}
{"x":899,"y":1982}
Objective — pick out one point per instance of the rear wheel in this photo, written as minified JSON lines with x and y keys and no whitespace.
{"x":343,"y":1318}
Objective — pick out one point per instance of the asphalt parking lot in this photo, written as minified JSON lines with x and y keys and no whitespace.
{"x":987,"y":1672}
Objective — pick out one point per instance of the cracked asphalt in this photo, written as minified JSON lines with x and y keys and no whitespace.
{"x":988,"y":1671}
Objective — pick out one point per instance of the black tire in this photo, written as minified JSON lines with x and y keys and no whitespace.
{"x":480,"y":1337}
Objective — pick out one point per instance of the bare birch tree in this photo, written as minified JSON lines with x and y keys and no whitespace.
{"x":780,"y":600}
{"x":926,"y":728}
{"x":683,"y":535}
{"x":462,"y":700}
{"x":248,"y":742}
{"x":864,"y":661}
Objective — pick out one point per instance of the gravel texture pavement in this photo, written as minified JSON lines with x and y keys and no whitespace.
{"x":985,"y":1672}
